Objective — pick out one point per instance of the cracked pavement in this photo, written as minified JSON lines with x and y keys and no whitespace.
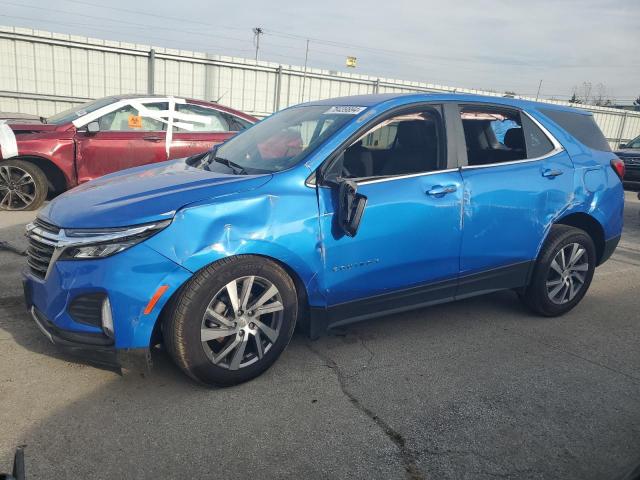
{"x":475,"y":389}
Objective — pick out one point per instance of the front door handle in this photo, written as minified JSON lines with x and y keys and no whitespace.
{"x":152,"y":138}
{"x":551,"y":173}
{"x":440,"y":190}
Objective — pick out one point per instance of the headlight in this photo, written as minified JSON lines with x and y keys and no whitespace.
{"x":100,"y":243}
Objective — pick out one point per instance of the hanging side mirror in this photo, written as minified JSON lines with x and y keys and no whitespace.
{"x":351,"y":205}
{"x":93,"y":127}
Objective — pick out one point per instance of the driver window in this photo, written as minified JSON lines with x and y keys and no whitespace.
{"x":127,"y":119}
{"x":402,"y":145}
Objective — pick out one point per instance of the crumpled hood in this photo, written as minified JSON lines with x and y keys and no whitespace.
{"x":143,"y":194}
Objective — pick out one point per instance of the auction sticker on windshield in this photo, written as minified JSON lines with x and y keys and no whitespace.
{"x":345,"y":110}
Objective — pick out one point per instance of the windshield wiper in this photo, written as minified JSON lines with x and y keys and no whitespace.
{"x":237,"y":169}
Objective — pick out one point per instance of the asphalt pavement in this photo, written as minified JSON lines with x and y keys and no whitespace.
{"x":475,"y":389}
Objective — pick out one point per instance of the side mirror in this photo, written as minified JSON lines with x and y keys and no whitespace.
{"x":623,"y":145}
{"x":351,"y":206}
{"x":93,"y":127}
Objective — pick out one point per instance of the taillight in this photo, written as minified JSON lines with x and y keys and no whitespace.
{"x":618,"y":167}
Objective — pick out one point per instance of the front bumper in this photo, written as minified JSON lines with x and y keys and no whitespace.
{"x":129,"y":279}
{"x":92,"y":348}
{"x":87,"y":346}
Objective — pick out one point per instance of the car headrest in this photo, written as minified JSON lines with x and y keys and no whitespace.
{"x":415,"y":134}
{"x":514,"y":138}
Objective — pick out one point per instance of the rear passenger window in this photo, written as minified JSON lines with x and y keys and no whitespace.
{"x":210,"y":120}
{"x":402,"y":145}
{"x":497,"y":135}
{"x":538,"y":144}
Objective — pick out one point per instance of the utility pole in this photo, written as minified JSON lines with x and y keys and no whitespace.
{"x":539,"y":87}
{"x":304,"y":75}
{"x":256,"y":39}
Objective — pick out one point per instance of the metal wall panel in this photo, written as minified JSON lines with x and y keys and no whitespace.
{"x":43,"y":73}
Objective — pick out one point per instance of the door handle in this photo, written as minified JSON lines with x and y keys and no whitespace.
{"x":152,"y":138}
{"x":550,"y":173}
{"x":439,"y":190}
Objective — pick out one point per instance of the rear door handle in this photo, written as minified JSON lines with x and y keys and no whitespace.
{"x":550,"y":173}
{"x":152,"y":138}
{"x":439,"y":190}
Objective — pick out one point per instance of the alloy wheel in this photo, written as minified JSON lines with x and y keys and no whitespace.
{"x":567,"y":273}
{"x":242,"y":322}
{"x":17,"y":188}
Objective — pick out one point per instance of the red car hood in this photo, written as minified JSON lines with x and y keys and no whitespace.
{"x":22,"y":128}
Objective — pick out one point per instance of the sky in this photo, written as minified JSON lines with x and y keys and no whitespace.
{"x":499,"y":45}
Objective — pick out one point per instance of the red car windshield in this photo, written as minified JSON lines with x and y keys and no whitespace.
{"x":78,"y":111}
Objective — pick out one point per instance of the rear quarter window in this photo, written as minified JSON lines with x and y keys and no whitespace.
{"x":582,"y":127}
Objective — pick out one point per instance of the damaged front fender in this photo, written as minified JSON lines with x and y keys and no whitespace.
{"x":249,"y":223}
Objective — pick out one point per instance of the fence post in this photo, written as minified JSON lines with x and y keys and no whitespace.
{"x":621,"y":131}
{"x":151,"y":72}
{"x":276,"y":93}
{"x":376,"y":86}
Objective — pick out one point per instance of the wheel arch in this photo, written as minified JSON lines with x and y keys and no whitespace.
{"x":56,"y":178}
{"x":301,"y":293}
{"x":588,"y":224}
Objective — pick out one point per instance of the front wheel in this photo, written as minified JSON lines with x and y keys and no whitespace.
{"x":563,"y":272}
{"x":23,"y":186}
{"x":232,"y":320}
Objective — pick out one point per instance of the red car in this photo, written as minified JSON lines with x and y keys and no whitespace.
{"x":104,"y":136}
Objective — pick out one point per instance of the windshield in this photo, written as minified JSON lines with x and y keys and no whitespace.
{"x":282,"y":140}
{"x":635,"y":143}
{"x":78,"y":111}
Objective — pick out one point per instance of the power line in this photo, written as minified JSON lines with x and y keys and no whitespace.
{"x":156,"y":15}
{"x":396,"y":53}
{"x":115,"y":32}
{"x":124,"y":22}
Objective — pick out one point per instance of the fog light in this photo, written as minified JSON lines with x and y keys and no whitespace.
{"x":107,"y":318}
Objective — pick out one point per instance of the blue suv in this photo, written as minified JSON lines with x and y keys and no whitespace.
{"x":322,"y":214}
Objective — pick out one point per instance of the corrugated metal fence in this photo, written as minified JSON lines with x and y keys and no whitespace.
{"x":43,"y":73}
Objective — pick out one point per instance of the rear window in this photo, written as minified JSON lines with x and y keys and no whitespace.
{"x":582,"y":127}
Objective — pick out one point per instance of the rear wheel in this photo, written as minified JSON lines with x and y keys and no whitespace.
{"x":562,"y":273}
{"x":232,"y":320}
{"x":23,"y":186}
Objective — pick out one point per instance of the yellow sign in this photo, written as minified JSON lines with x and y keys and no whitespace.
{"x":351,"y":62}
{"x":135,"y":121}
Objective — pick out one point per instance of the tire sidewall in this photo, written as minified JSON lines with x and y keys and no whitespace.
{"x":40,"y":181}
{"x":538,"y":288}
{"x":209,"y":284}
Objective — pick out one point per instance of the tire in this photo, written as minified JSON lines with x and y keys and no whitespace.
{"x":23,"y":186}
{"x":550,"y":292}
{"x":206,"y":300}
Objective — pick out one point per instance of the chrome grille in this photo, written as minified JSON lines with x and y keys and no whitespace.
{"x":49,"y":227}
{"x":42,"y":241}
